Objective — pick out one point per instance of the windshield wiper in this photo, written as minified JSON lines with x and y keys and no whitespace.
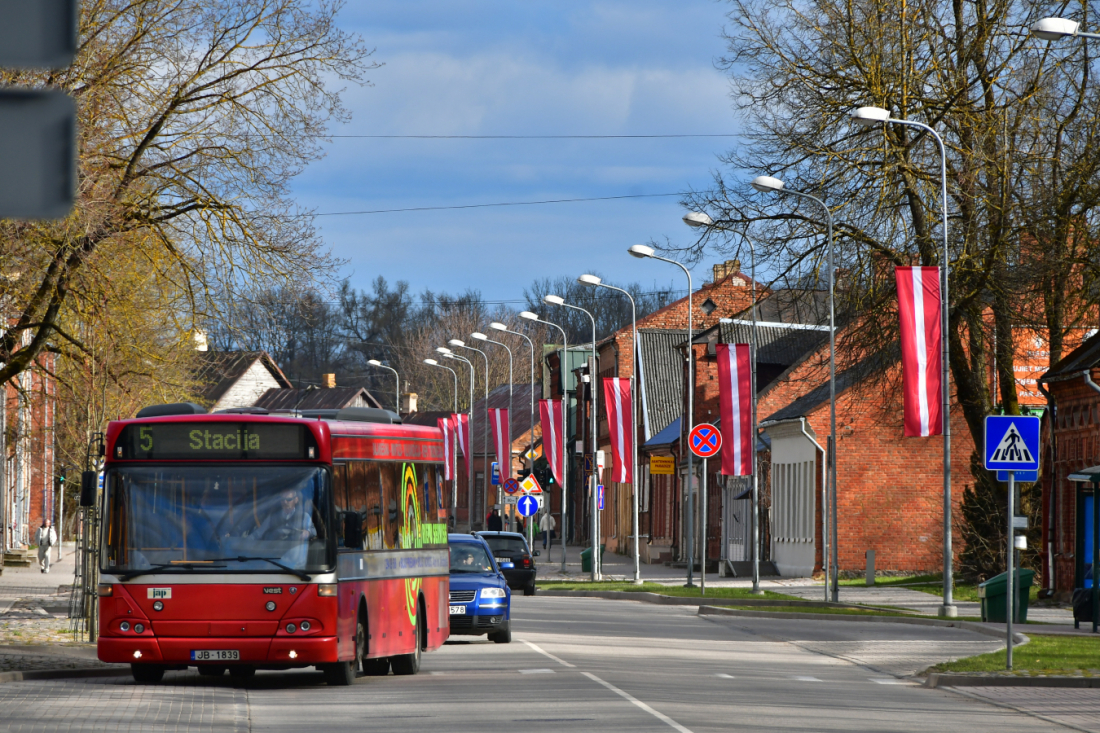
{"x":166,"y":566}
{"x":297,"y":573}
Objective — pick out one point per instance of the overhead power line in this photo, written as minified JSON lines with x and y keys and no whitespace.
{"x":501,"y":203}
{"x":530,"y":137}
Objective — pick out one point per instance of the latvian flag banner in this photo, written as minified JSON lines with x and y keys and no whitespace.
{"x":919,"y":307}
{"x":446,"y":424}
{"x":620,"y":422}
{"x":462,"y":427}
{"x":502,"y":441}
{"x":735,"y":408}
{"x":550,"y":417}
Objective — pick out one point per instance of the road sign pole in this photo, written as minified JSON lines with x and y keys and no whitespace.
{"x":1011,"y":549}
{"x":703,"y":533}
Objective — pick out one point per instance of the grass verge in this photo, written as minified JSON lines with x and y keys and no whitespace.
{"x":1050,"y":655}
{"x":932,"y":585}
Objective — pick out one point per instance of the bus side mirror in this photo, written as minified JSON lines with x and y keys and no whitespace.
{"x":353,"y":530}
{"x":87,"y":488}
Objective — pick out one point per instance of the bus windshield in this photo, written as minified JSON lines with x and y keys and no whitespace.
{"x":224,"y":518}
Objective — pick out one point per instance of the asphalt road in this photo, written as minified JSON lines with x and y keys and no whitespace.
{"x":574,"y":665}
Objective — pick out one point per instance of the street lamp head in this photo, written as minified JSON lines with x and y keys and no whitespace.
{"x":767,"y":184}
{"x":456,"y":342}
{"x":1053,"y":29}
{"x":868,"y":116}
{"x":479,"y":336}
{"x":528,"y":316}
{"x":696,"y":220}
{"x":442,"y":350}
{"x":374,"y":362}
{"x":433,"y":362}
{"x":589,"y":280}
{"x":553,"y":300}
{"x":641,"y":251}
{"x":498,"y":326}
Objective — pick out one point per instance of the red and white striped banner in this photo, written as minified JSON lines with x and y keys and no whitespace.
{"x":462,"y":427}
{"x":921,"y":365}
{"x":735,"y":408}
{"x":550,"y":417}
{"x":446,"y":424}
{"x":620,"y":426}
{"x":502,"y":441}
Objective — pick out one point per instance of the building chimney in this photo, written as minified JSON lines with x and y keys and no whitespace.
{"x":328,"y":381}
{"x":725,"y":269}
{"x":200,"y":341}
{"x":408,"y":403}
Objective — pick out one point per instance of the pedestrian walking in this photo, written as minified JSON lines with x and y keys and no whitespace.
{"x":496,"y":524}
{"x":46,"y":538}
{"x":547,"y":525}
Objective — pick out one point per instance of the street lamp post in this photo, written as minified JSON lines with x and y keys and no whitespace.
{"x":497,"y":326}
{"x":447,"y":353}
{"x":868,"y":117}
{"x":642,"y":251}
{"x":458,"y":343}
{"x":529,"y":316}
{"x":454,"y":454}
{"x":593,"y":402}
{"x":397,"y":378}
{"x":482,"y":337}
{"x":594,"y":281}
{"x":768,"y":184}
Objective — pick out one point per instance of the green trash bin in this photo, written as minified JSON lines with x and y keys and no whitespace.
{"x":586,"y":558}
{"x":994,"y":596}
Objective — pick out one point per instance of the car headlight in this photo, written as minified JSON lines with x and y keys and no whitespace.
{"x":492,"y":593}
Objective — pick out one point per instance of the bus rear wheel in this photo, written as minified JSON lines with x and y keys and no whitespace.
{"x":410,"y":663}
{"x":147,"y":674}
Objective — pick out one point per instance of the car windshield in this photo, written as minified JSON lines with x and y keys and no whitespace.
{"x":467,"y":557}
{"x":228,"y":518}
{"x":506,"y":545}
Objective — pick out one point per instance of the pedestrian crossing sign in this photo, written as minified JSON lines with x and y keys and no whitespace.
{"x":1011,"y":443}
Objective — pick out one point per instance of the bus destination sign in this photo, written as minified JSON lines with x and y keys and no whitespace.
{"x":220,"y":440}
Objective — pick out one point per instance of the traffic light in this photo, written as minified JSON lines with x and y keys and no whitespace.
{"x":37,"y":126}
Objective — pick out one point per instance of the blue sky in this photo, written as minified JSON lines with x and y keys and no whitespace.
{"x":521,"y":68}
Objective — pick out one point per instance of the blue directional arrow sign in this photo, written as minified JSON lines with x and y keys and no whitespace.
{"x":527,"y":505}
{"x":1011,"y":443}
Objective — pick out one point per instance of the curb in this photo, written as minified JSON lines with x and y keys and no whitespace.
{"x":937,"y":679}
{"x":663,"y":600}
{"x":60,"y":674}
{"x":916,"y":620}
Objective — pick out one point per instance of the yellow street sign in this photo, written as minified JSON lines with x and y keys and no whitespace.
{"x":662,"y":465}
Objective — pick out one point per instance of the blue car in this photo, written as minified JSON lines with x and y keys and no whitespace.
{"x":481,"y":602}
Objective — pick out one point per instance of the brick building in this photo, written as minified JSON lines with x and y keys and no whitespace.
{"x":27,"y":486}
{"x":1071,"y":441}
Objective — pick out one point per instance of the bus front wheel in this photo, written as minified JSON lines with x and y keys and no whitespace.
{"x":147,"y":674}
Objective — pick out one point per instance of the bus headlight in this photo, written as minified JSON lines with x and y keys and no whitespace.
{"x":125,"y":626}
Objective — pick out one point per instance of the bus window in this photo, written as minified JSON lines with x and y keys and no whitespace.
{"x":427,"y":492}
{"x":372,"y":513}
{"x":339,"y":496}
{"x":391,"y":506}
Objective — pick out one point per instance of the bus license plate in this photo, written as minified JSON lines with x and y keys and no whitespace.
{"x":458,"y":610}
{"x":215,"y":655}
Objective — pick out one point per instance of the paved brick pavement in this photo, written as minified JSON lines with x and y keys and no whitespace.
{"x":1072,"y":707}
{"x":182,"y":704}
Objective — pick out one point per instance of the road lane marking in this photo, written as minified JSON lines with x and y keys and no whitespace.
{"x":805,"y":678}
{"x":627,"y":696}
{"x":888,"y":681}
{"x":724,"y":676}
{"x":536,"y":671}
{"x":560,"y":661}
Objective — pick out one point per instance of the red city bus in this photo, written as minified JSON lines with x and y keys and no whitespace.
{"x":241,"y":541}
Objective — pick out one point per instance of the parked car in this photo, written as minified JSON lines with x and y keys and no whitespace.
{"x":512,"y":547}
{"x":481,"y":602}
